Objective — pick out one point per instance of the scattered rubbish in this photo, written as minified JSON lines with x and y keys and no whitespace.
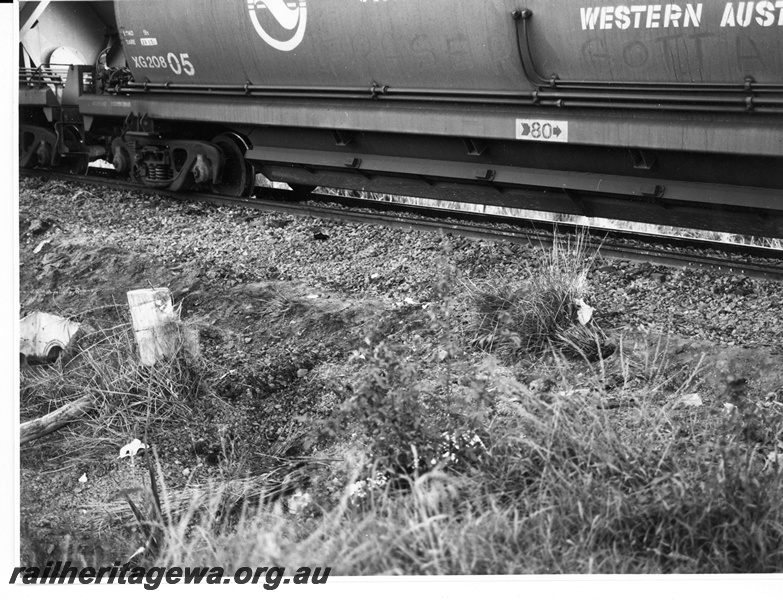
{"x":775,"y":458}
{"x":186,"y":471}
{"x":312,"y":296}
{"x":298,"y":501}
{"x":132,"y":448}
{"x":83,"y":478}
{"x":690,"y":400}
{"x":44,"y":335}
{"x":584,"y":311}
{"x":40,"y":246}
{"x":729,"y":408}
{"x":226,"y":374}
{"x":139,"y":551}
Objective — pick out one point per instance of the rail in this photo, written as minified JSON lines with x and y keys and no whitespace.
{"x":750,"y":261}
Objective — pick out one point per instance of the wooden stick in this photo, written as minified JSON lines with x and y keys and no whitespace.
{"x":37,"y":428}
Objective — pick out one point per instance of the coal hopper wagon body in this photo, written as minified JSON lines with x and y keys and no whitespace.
{"x":663,"y":113}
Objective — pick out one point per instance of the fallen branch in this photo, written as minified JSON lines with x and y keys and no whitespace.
{"x":37,"y":428}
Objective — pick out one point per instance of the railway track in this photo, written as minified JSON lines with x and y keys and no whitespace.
{"x":750,"y":261}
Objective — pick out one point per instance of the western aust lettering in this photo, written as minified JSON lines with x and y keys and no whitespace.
{"x":766,"y":13}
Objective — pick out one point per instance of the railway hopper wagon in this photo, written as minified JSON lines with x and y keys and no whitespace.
{"x":666,"y":113}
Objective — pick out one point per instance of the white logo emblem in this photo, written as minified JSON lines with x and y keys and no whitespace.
{"x":290,"y":16}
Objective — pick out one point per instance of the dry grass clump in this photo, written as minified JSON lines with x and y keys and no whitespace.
{"x":541,"y":311}
{"x":463,"y":468}
{"x":222,"y":499}
{"x":565,"y":486}
{"x":128,"y":399}
{"x":566,"y":479}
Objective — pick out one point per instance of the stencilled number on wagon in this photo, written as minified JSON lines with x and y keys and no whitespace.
{"x":542,"y":131}
{"x":178,"y":64}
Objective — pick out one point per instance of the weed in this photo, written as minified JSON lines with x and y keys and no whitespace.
{"x":444,"y":462}
{"x":128,"y":398}
{"x":411,"y":424}
{"x":543,"y":311}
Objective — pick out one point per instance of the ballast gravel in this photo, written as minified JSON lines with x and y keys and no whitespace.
{"x":65,"y":228}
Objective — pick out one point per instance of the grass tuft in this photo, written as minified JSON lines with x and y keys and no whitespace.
{"x":129,"y":399}
{"x":542,"y":312}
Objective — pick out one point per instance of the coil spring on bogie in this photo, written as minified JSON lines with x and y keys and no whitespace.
{"x":159,"y":172}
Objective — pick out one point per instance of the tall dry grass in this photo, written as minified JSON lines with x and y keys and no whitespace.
{"x":563,"y":487}
{"x":604,"y":471}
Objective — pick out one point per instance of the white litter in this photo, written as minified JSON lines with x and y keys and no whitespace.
{"x":83,"y":478}
{"x":40,"y":246}
{"x":139,"y":551}
{"x":132,"y":448}
{"x":584,"y":312}
{"x":690,"y":400}
{"x":775,"y":458}
{"x":40,"y":333}
{"x":298,"y":501}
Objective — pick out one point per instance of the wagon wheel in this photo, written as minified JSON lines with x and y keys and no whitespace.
{"x":239,"y":176}
{"x":33,"y":151}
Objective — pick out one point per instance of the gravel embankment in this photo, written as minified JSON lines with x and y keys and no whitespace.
{"x":279,"y":304}
{"x":190,"y":246}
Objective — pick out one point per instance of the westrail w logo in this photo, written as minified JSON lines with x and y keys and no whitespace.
{"x":289,"y":17}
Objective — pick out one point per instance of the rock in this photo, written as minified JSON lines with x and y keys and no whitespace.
{"x":38,"y":226}
{"x":543,"y":385}
{"x":690,"y":400}
{"x":636,"y":271}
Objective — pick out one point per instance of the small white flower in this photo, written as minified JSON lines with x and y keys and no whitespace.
{"x":476,"y":440}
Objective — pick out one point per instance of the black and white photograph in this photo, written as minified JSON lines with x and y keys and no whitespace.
{"x":483,"y":290}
